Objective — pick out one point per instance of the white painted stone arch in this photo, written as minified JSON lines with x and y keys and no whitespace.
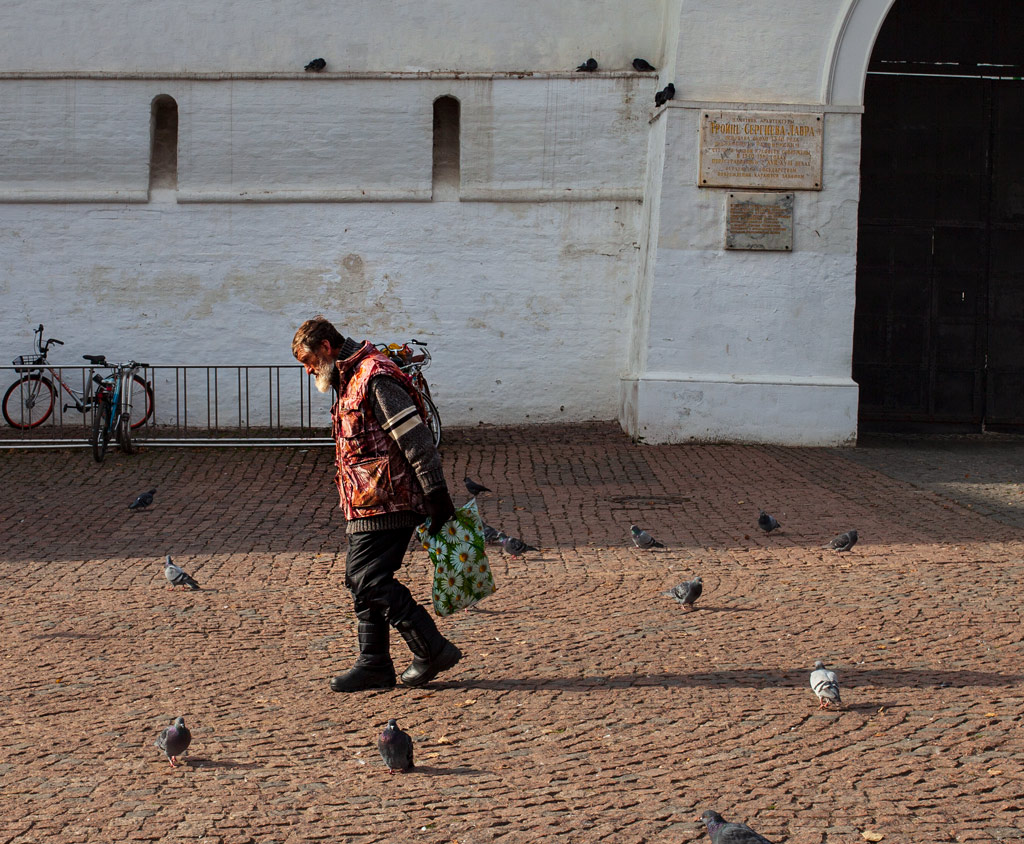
{"x":851,"y":51}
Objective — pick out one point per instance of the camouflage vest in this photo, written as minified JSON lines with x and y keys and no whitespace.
{"x":373,"y":478}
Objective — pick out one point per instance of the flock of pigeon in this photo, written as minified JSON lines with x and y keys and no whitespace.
{"x":589,"y":66}
{"x":643,"y":66}
{"x":824,"y":683}
{"x":395,"y":745}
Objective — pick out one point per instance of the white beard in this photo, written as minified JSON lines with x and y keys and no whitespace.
{"x":324,"y":375}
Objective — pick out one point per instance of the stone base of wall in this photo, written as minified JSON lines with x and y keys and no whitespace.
{"x":673,"y":408}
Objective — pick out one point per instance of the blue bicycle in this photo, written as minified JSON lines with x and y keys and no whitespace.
{"x":113,"y":408}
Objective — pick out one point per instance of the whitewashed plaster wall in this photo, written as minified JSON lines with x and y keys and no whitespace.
{"x":525,"y":302}
{"x":749,"y":346}
{"x":54,"y":36}
{"x":269,"y":224}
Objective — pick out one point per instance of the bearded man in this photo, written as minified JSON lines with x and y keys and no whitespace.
{"x":389,"y":477}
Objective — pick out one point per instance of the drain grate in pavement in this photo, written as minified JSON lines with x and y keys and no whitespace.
{"x":650,"y":500}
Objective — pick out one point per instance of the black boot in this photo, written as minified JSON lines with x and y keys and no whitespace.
{"x":432,"y":653}
{"x":373,"y":668}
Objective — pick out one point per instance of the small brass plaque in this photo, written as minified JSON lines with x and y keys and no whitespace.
{"x":759,"y":221}
{"x":760,"y":149}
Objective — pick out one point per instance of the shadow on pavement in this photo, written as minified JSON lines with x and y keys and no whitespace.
{"x":883,"y":678}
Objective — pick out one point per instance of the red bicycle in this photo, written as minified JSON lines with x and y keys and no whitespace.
{"x":29,"y":401}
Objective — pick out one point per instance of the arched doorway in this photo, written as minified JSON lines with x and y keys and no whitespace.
{"x":939,"y":331}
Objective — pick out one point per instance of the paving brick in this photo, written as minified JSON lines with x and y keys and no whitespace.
{"x":588,"y":707}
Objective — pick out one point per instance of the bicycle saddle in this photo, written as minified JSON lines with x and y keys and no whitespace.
{"x":96,"y":360}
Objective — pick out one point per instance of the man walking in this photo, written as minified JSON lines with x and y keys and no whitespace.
{"x":389,"y":477}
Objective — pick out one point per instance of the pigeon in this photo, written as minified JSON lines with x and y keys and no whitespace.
{"x":177,"y":576}
{"x":316,"y":66}
{"x":491,"y":535}
{"x":513,"y":546}
{"x":687,"y":592}
{"x":843,"y":542}
{"x":723,"y":832}
{"x":665,"y":94}
{"x":589,"y":66}
{"x":643,"y":65}
{"x":142,"y":501}
{"x":174,"y":740}
{"x":767,"y":522}
{"x":825,"y":684}
{"x":474,"y":488}
{"x":642,"y":539}
{"x":395,"y":748}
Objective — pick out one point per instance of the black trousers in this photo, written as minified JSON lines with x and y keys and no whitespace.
{"x":373,"y":558}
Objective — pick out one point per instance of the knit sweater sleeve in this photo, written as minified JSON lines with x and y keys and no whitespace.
{"x":400,"y":418}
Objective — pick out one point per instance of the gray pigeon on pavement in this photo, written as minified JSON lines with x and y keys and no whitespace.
{"x":724,"y":832}
{"x":174,"y":740}
{"x":142,"y":501}
{"x":843,"y":542}
{"x":474,"y":488}
{"x":767,"y":522}
{"x":513,"y":546}
{"x":687,"y":592}
{"x":589,"y":66}
{"x":316,"y":66}
{"x":395,"y":748}
{"x":491,"y":535}
{"x":825,"y":685}
{"x":177,"y":576}
{"x":643,"y":65}
{"x":642,"y":539}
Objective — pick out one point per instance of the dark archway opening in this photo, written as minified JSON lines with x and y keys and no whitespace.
{"x":939,"y":331}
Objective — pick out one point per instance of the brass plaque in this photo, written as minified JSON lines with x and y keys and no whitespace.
{"x":759,"y":221}
{"x":760,"y":149}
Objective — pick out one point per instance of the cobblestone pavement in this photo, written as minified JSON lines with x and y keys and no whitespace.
{"x":588,"y":707}
{"x":984,"y":472}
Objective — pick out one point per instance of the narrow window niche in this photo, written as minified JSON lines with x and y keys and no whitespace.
{"x":163,"y":151}
{"x":446,"y":149}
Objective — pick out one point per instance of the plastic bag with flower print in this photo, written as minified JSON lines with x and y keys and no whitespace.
{"x":462,"y":574}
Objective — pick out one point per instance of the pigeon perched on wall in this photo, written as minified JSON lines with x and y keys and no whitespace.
{"x":589,"y":66}
{"x":643,"y":65}
{"x":491,"y":535}
{"x":642,"y":539}
{"x":177,"y":576}
{"x":767,"y":522}
{"x":687,"y":592}
{"x":665,"y":94}
{"x":843,"y":542}
{"x":724,"y":832}
{"x":174,"y":740}
{"x":825,"y":685}
{"x":316,"y":66}
{"x":395,"y":748}
{"x":142,"y":501}
{"x":513,"y":546}
{"x":474,"y":488}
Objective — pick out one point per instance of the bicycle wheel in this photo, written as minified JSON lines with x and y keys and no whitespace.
{"x":124,"y":432}
{"x":28,"y":402}
{"x":142,"y":395}
{"x":433,"y":418}
{"x":100,"y":430}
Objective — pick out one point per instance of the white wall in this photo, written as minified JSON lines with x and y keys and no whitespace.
{"x":356,"y":35}
{"x":583,"y":269}
{"x":525,"y":307}
{"x":749,"y":346}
